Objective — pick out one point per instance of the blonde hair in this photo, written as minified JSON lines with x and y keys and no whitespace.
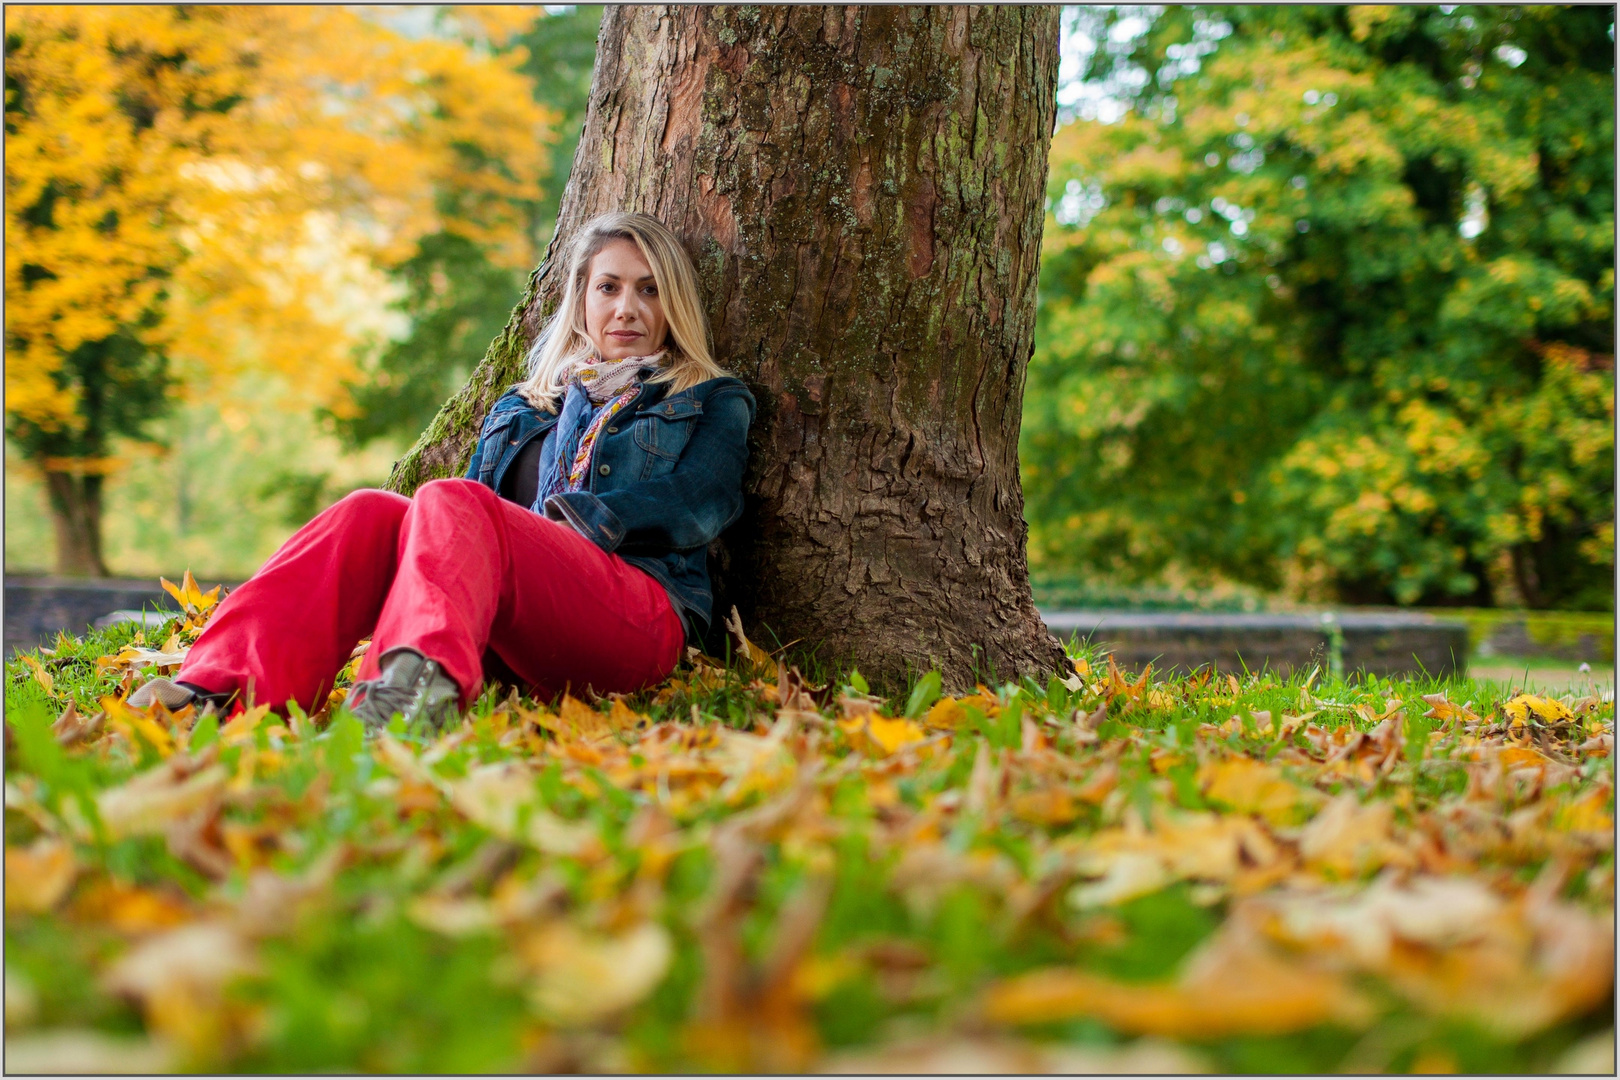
{"x":563,"y":338}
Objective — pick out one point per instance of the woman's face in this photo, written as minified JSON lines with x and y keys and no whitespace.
{"x":623,"y":314}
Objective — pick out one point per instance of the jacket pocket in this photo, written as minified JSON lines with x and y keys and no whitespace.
{"x":663,"y":430}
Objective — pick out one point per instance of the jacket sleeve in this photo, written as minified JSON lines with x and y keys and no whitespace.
{"x":685,"y":509}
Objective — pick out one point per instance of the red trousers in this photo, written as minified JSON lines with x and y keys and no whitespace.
{"x":451,"y":573}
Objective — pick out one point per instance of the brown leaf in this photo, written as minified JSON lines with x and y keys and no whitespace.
{"x":70,"y":727}
{"x":746,"y":649}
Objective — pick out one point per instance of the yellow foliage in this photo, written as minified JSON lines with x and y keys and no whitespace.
{"x":230,"y":205}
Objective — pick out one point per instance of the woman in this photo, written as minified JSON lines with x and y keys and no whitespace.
{"x":574,"y":549}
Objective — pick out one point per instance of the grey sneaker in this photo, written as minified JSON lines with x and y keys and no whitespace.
{"x":409,"y":684}
{"x":175,"y":696}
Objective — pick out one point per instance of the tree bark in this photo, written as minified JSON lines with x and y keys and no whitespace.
{"x":862,"y":191}
{"x":75,"y":500}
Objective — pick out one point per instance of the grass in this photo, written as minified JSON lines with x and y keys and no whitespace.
{"x":735,"y":872}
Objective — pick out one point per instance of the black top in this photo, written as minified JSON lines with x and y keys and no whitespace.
{"x":522,"y":480}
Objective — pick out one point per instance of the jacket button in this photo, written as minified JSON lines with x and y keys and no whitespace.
{"x":613,"y":431}
{"x":604,"y":469}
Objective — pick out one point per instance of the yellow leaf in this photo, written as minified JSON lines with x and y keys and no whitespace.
{"x":38,"y":876}
{"x":580,"y":720}
{"x":1048,"y":806}
{"x":622,"y":717}
{"x":129,"y":909}
{"x":1229,"y":987}
{"x":1526,"y":708}
{"x":1349,"y":839}
{"x":945,"y":713}
{"x":879,"y":736}
{"x":41,"y":676}
{"x":1250,"y":787}
{"x":1589,"y":814}
{"x":243,"y":725}
{"x":891,"y":735}
{"x":1446,"y":712}
{"x":132,"y":722}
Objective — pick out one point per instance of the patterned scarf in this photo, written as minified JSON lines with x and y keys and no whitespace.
{"x":604,"y":379}
{"x":600,"y":381}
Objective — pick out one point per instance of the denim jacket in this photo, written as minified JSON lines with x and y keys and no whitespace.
{"x":666,"y":479}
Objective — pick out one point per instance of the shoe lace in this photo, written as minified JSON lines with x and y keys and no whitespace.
{"x":387,"y":700}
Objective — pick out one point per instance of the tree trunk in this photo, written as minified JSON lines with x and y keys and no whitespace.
{"x":75,"y":499}
{"x":862,"y":191}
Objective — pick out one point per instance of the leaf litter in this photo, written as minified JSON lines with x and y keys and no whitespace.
{"x":745,"y":870}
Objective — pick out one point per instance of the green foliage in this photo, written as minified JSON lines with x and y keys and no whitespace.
{"x":1330,"y":307}
{"x":120,"y":386}
{"x":457,"y":295}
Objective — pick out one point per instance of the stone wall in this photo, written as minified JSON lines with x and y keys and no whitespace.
{"x":1381,"y":643}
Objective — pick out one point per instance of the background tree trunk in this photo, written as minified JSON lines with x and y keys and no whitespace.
{"x":862,"y":190}
{"x":75,"y":500}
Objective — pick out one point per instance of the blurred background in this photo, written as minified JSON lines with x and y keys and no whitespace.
{"x":1326,"y":308}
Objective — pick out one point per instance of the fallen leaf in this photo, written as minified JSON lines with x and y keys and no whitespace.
{"x":985,"y":1055}
{"x":178,"y":977}
{"x":70,"y":727}
{"x":190,"y":596}
{"x":1348,"y":838}
{"x":581,"y":977}
{"x":1231,"y":985}
{"x":502,"y":798}
{"x":38,"y":876}
{"x":41,"y":676}
{"x":1367,"y":924}
{"x":755,"y":655}
{"x":1134,"y":861}
{"x":1444,"y":711}
{"x":1251,"y":787}
{"x":83,"y":1052}
{"x":153,"y":800}
{"x":130,"y":909}
{"x":1527,"y":708}
{"x":880,"y":736}
{"x":453,"y":916}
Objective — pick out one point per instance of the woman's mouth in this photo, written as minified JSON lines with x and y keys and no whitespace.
{"x":624,"y":335}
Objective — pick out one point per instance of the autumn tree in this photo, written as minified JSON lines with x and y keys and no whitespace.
{"x":1330,"y":305}
{"x":861,"y":190}
{"x":185,"y":185}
